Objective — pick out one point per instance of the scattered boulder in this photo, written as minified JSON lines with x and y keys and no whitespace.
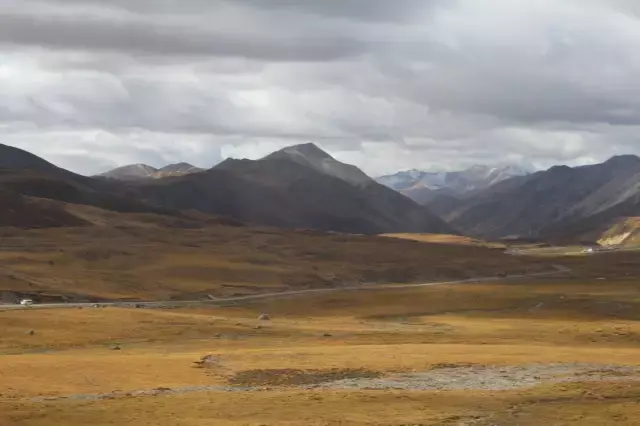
{"x":327,"y":335}
{"x":31,"y":332}
{"x":264,"y":317}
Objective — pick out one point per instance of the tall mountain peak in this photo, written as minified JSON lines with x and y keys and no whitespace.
{"x":308,"y":150}
{"x":310,"y":155}
{"x":475,"y":177}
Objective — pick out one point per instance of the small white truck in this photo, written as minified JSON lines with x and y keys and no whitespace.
{"x":26,"y":302}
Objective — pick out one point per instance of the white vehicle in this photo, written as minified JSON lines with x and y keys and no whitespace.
{"x":26,"y":302}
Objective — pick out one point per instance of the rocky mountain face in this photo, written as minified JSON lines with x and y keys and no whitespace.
{"x":297,"y":187}
{"x":423,"y":187}
{"x":136,"y":172}
{"x":560,"y":203}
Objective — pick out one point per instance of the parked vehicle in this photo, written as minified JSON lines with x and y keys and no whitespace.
{"x":26,"y":302}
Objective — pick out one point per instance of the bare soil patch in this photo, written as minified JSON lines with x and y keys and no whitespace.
{"x":293,"y":377}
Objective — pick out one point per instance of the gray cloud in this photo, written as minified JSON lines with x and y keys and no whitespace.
{"x":147,"y":37}
{"x":385,"y":84}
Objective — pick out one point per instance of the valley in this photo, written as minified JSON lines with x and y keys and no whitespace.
{"x":319,"y":213}
{"x":558,"y":349}
{"x":296,"y":290}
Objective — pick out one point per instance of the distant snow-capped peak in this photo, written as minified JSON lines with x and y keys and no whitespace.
{"x":474,"y":177}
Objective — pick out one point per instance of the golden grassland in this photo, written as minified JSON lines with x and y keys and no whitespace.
{"x":447,"y":239}
{"x":588,"y":404}
{"x":590,"y":315}
{"x":402,"y":330}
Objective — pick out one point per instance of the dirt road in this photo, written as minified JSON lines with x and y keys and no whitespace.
{"x":557,"y":269}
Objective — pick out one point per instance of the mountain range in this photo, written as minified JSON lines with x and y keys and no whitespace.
{"x":422,"y":186}
{"x":304,"y":187}
{"x":143,"y":171}
{"x":297,"y":187}
{"x":561,"y":203}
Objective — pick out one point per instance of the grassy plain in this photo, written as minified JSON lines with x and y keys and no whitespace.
{"x":116,"y":366}
{"x":338,"y":334}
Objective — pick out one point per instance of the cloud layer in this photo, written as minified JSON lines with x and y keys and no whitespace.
{"x":386,"y":85}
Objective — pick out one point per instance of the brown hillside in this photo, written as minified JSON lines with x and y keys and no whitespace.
{"x":159,"y":257}
{"x":24,"y":212}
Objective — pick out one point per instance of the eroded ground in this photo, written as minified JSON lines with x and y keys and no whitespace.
{"x":526,"y":353}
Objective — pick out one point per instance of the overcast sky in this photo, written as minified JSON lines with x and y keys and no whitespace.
{"x":384,"y":84}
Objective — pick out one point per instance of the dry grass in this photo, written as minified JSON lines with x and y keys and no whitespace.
{"x":144,"y":258}
{"x":625,"y":232}
{"x":446,"y":239}
{"x":583,"y":404}
{"x":309,"y":338}
{"x":329,"y":335}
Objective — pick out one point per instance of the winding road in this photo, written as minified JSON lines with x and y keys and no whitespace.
{"x":557,"y":269}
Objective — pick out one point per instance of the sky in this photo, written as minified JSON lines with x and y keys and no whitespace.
{"x":385,"y":85}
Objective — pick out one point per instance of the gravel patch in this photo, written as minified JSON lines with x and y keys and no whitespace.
{"x":296,"y":378}
{"x":496,"y":378}
{"x":441,"y":378}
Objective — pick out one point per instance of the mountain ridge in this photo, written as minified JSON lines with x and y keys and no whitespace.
{"x":301,"y":187}
{"x":561,"y":202}
{"x":423,"y":186}
{"x":140,"y":171}
{"x":297,"y":187}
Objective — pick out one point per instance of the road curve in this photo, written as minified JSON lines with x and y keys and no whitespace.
{"x":557,"y":269}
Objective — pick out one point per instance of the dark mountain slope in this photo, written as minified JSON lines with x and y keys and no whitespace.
{"x":442,"y":203}
{"x":28,"y":213}
{"x":299,"y":187}
{"x":12,"y":158}
{"x":543,"y":203}
{"x":26,"y":174}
